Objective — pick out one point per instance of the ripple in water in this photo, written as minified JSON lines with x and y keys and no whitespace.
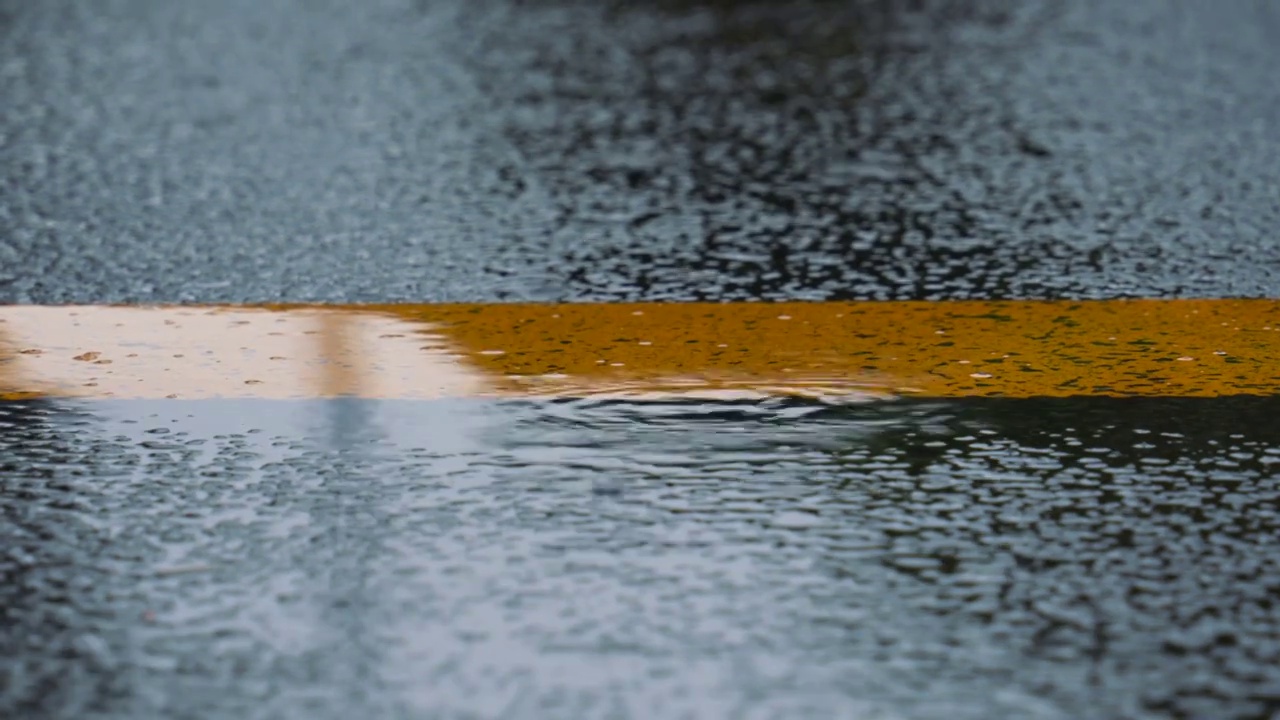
{"x":551,"y":556}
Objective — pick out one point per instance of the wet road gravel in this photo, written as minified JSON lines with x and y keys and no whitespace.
{"x":1067,"y":559}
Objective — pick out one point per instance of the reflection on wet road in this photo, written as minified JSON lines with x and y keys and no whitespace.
{"x":382,"y":510}
{"x":967,"y":558}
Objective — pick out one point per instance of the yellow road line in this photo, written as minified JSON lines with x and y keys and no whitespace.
{"x":1190,"y":348}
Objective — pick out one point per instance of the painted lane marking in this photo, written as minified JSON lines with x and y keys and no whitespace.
{"x":1188,"y":348}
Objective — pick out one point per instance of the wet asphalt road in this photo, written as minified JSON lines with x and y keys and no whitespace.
{"x":159,"y":151}
{"x":1091,"y":558}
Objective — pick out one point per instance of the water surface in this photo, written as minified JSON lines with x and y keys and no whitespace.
{"x":784,"y":558}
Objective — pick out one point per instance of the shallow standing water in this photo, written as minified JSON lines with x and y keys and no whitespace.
{"x":1069,"y":558}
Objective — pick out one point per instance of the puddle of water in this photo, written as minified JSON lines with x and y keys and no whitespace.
{"x":592,"y":556}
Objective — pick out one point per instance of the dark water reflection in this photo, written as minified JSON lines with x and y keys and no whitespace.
{"x":1068,"y":558}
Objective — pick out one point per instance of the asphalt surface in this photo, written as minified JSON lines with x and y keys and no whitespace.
{"x":160,"y":151}
{"x":1086,"y":558}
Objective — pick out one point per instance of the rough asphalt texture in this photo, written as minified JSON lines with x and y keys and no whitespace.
{"x":1074,"y":559}
{"x":393,"y":150}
